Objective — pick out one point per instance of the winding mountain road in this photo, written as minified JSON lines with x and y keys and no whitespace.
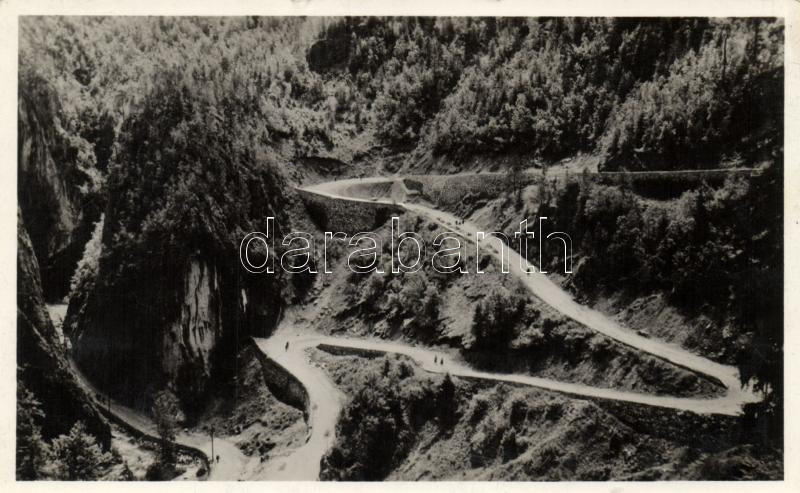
{"x":549,"y":292}
{"x":326,"y":401}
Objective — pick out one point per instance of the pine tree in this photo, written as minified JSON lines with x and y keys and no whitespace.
{"x":446,"y":402}
{"x":31,"y":448}
{"x":77,"y":456}
{"x":164,"y":412}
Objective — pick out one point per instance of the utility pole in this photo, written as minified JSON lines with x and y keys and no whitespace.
{"x":236,"y":339}
{"x":211,"y":462}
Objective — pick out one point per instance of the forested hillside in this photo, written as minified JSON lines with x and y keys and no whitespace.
{"x":189,"y":152}
{"x":148,"y":148}
{"x":642,"y":93}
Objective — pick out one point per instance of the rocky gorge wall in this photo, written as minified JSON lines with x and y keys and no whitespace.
{"x":179,"y":337}
{"x":188,"y":342}
{"x":42,"y":365}
{"x":54,"y":196}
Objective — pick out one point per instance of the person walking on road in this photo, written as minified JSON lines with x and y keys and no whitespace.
{"x":435,"y":360}
{"x":287,"y":346}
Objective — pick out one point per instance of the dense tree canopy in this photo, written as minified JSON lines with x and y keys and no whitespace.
{"x":637,"y":91}
{"x":643,"y":93}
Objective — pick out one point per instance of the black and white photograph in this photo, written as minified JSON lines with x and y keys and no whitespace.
{"x":399,"y":248}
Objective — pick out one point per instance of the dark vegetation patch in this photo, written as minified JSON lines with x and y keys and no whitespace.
{"x":420,"y":427}
{"x":631,"y":90}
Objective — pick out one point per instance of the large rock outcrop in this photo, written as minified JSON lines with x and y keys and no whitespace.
{"x":43,"y":369}
{"x":173,"y":320}
{"x":135,"y":337}
{"x":170,"y":303}
{"x":58,"y":200}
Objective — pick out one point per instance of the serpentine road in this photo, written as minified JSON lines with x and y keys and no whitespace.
{"x":326,"y":401}
{"x":549,"y":292}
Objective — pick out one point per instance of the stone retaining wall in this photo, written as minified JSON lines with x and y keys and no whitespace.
{"x":283,"y":385}
{"x":350,"y":351}
{"x":348,"y":216}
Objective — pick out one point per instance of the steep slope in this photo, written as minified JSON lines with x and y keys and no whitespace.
{"x":492,"y":317}
{"x":702,"y":269}
{"x":58,"y":198}
{"x":40,"y":358}
{"x":629,"y":90}
{"x":401,"y":423}
{"x":170,"y":302}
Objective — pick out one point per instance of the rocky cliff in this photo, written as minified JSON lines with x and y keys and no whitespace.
{"x":58,"y":199}
{"x":42,"y":367}
{"x":188,"y":343}
{"x":134,"y":338}
{"x":170,"y":305}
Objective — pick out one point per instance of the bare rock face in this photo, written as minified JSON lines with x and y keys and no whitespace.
{"x":165,"y":310}
{"x":188,"y":343}
{"x":140,"y":336}
{"x":44,"y":194}
{"x":40,"y":359}
{"x":53,"y":197}
{"x":152,"y":337}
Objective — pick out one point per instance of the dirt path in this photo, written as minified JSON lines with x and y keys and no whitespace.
{"x":728,"y":404}
{"x":327,"y":401}
{"x":545,"y":289}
